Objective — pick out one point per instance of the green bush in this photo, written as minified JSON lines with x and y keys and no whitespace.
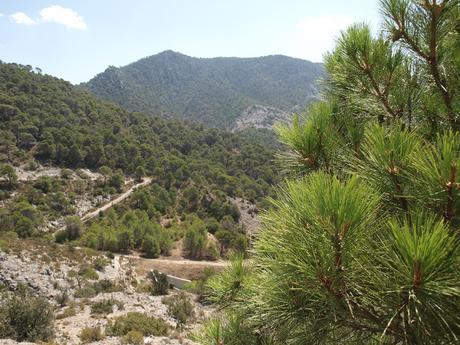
{"x":133,"y":338}
{"x":105,"y":285}
{"x":134,"y":321}
{"x":68,"y":312}
{"x":195,"y":240}
{"x":85,"y":292}
{"x":88,"y":273}
{"x":102,"y":307}
{"x":150,"y":247}
{"x":105,"y":306}
{"x":25,"y":317}
{"x":160,"y":285}
{"x":179,"y":307}
{"x":91,"y":334}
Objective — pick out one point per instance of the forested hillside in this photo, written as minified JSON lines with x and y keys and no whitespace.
{"x":59,"y":124}
{"x":196,"y":172}
{"x":212,"y":91}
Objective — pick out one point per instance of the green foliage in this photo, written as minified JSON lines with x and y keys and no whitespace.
{"x":212,"y":91}
{"x":25,"y":317}
{"x":179,"y":307}
{"x":8,"y":175}
{"x":91,"y":334}
{"x":78,"y":130}
{"x":195,"y":240}
{"x":73,"y":230}
{"x":159,"y":281}
{"x":361,"y":244}
{"x":85,"y":292}
{"x":133,"y":338}
{"x":230,"y":330}
{"x":150,"y":247}
{"x":105,"y":306}
{"x":133,"y":321}
{"x":199,"y":286}
{"x":133,"y":230}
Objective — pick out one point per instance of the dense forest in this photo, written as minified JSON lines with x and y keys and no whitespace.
{"x":212,"y":91}
{"x":195,"y":170}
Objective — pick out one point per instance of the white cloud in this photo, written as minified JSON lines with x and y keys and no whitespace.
{"x":1,"y":14}
{"x":22,"y":18}
{"x":64,"y":16}
{"x":316,"y":35}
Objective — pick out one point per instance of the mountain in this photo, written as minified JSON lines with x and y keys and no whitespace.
{"x":215,"y":91}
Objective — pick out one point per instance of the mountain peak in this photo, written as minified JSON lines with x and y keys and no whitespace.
{"x":214,"y":91}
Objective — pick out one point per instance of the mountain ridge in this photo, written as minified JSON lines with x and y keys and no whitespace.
{"x":213,"y":91}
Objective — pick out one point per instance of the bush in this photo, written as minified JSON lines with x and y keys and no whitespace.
{"x":106,"y":306}
{"x":160,"y":285}
{"x":105,"y":285}
{"x":195,"y":241}
{"x":68,"y":312}
{"x":102,"y":307}
{"x":25,"y":317}
{"x":85,"y":292}
{"x":91,"y":334}
{"x":142,"y":323}
{"x":133,"y":338}
{"x":99,"y":263}
{"x":150,"y":247}
{"x":179,"y":307}
{"x":88,"y":273}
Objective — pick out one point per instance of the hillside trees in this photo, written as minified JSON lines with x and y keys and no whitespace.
{"x":362,"y":243}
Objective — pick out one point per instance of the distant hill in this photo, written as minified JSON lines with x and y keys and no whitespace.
{"x":213,"y":91}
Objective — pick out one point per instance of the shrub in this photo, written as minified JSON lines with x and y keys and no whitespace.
{"x":102,"y":307}
{"x":160,"y":285}
{"x":99,"y":263}
{"x":179,"y":307}
{"x":195,"y":241}
{"x":133,"y":338}
{"x":150,"y":247}
{"x":105,"y":285}
{"x":25,"y":317}
{"x":106,"y":306}
{"x":88,"y":273}
{"x":142,"y":323}
{"x":85,"y":292}
{"x":91,"y":334}
{"x":68,"y":312}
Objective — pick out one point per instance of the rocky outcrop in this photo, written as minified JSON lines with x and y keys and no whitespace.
{"x":260,"y":116}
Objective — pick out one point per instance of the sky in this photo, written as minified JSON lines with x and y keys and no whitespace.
{"x":76,"y":39}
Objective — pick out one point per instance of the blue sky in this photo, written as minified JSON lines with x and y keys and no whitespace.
{"x":75,"y":40}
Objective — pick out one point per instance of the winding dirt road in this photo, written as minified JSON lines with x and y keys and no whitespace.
{"x":93,"y":214}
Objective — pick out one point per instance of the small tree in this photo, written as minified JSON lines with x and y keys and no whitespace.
{"x":25,"y":317}
{"x":9,"y":175}
{"x":139,"y":173}
{"x":150,"y":246}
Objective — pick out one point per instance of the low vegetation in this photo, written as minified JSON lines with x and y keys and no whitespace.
{"x":179,"y":307}
{"x":25,"y":317}
{"x":139,"y":322}
{"x":91,"y":334}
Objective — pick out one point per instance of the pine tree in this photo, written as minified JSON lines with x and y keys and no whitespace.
{"x":362,"y":244}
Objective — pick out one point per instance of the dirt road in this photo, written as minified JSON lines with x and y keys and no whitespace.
{"x":182,"y":268}
{"x":120,"y":198}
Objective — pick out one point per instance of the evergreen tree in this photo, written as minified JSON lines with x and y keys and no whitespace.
{"x":362,"y":244}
